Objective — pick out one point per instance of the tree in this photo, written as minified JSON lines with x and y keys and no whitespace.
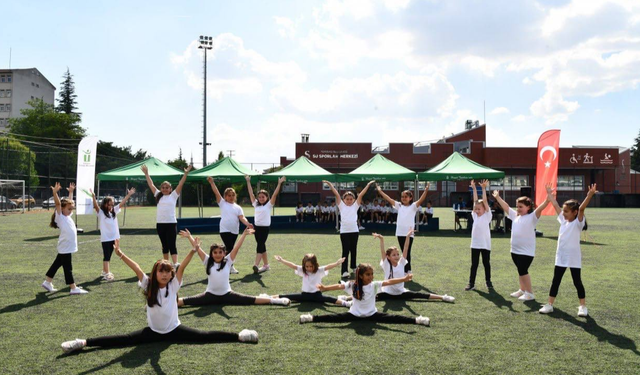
{"x":635,"y":154}
{"x":67,"y":98}
{"x":179,"y":163}
{"x":19,"y":163}
{"x":42,"y":120}
{"x":220,"y":155}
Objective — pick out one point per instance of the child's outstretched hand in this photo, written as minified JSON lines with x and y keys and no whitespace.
{"x":378,"y":236}
{"x":496,"y":194}
{"x":484,"y":184}
{"x":410,"y":232}
{"x":278,"y":258}
{"x":144,"y":168}
{"x":473,"y":184}
{"x":247,"y":178}
{"x":408,"y":277}
{"x":56,"y":188}
{"x":321,"y":287}
{"x":282,"y":179}
{"x":340,"y":261}
{"x":116,"y":248}
{"x":210,"y":179}
{"x":592,"y":189}
{"x":131,"y":191}
{"x":188,"y":168}
{"x":248,"y":231}
{"x":72,"y":187}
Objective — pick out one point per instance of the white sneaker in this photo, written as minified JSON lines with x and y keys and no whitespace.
{"x":345,"y":275}
{"x":517,"y":294}
{"x":248,"y":335}
{"x":423,"y":320}
{"x":361,"y":227}
{"x":73,"y":345}
{"x":526,"y":297}
{"x":77,"y":290}
{"x":306,"y":318}
{"x":175,"y":266}
{"x":108,"y":276}
{"x":233,"y":270}
{"x":281,"y":301}
{"x":264,"y":268}
{"x":347,"y":304}
{"x":264,"y":295}
{"x":49,"y":287}
{"x":344,"y":297}
{"x":582,"y":311}
{"x":546,"y":309}
{"x":448,"y":298}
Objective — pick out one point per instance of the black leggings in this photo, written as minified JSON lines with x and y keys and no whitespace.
{"x":475,"y":260}
{"x":377,"y":317}
{"x":167,"y":233}
{"x":522,"y":262}
{"x":404,"y":296}
{"x":558,"y":272}
{"x":229,"y":240}
{"x":349,"y":246}
{"x":401,"y":240}
{"x":64,"y":261}
{"x":107,"y":250}
{"x":147,"y":335}
{"x":261,"y":235}
{"x":309,"y":297}
{"x":231,"y":298}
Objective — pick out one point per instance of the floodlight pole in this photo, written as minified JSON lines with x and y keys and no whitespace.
{"x":205,"y":44}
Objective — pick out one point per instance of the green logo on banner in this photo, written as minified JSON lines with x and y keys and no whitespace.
{"x":87,"y":156}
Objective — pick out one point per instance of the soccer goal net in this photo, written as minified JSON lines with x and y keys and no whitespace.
{"x":13,"y":197}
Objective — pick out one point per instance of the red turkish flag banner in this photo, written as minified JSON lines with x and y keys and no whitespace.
{"x":547,"y":167}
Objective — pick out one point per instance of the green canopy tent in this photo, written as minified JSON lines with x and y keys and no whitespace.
{"x":158,"y":171}
{"x":457,"y":167}
{"x":378,"y":168}
{"x":301,"y":170}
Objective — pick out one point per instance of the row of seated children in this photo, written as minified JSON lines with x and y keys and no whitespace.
{"x":379,"y":211}
{"x":316,"y":213}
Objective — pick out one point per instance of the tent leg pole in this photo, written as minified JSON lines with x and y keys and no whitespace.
{"x":124,"y":219}
{"x":97,"y":195}
{"x":417,"y":217}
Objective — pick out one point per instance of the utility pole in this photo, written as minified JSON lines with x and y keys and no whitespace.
{"x":206,"y":43}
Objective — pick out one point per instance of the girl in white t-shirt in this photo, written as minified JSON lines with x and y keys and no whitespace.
{"x":166,"y":222}
{"x":572,"y":221}
{"x":348,"y":205}
{"x":333,"y":211}
{"x":109,"y":230}
{"x":299,"y":213}
{"x":217,"y":265}
{"x":161,"y":291}
{"x":312,"y":275}
{"x":480,"y":236}
{"x":427,"y":213}
{"x":230,"y":217}
{"x":67,"y":242}
{"x":406,"y":218}
{"x":392,"y":263}
{"x":262,"y":221}
{"x":364,"y":291}
{"x":523,"y":239}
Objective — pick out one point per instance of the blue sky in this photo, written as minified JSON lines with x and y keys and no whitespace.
{"x":344,"y":71}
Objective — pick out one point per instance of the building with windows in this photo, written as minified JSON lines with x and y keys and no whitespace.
{"x":17,"y":87}
{"x":579,"y":166}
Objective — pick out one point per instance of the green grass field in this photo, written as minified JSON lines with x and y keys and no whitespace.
{"x":481,"y":333}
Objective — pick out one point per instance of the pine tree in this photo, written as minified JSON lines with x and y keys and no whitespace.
{"x":635,"y":154}
{"x":220,"y":155}
{"x":67,"y":98}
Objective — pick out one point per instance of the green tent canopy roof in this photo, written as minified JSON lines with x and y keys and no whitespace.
{"x":158,"y":171}
{"x":457,"y":167}
{"x":379,"y":168}
{"x":301,"y":170}
{"x":225,"y":169}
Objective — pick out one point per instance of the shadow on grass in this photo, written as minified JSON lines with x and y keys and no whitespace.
{"x":248,"y":278}
{"x":420,"y":287}
{"x":590,"y":326}
{"x":205,"y":311}
{"x":400,"y":305}
{"x":305,"y":307}
{"x":533,"y":306}
{"x":40,"y":298}
{"x":98,"y":281}
{"x":364,"y":328}
{"x":496,"y":299}
{"x":40,"y":239}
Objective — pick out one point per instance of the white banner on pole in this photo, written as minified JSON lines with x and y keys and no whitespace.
{"x":86,"y":176}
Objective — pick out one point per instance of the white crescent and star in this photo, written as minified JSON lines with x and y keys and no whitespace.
{"x":548,"y":148}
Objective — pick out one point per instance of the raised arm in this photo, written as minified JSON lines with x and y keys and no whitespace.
{"x":55,"y":189}
{"x":334,"y":264}
{"x":183,"y":179}
{"x":484,"y":184}
{"x":277,"y":191}
{"x":126,"y":198}
{"x":405,"y":250}
{"x":71,"y":188}
{"x":128,"y":261}
{"x":250,"y":188}
{"x":541,"y":207}
{"x":334,"y":191}
{"x":552,"y":198}
{"x":399,"y":280}
{"x":385,"y":196}
{"x":286,"y":262}
{"x":501,"y":202}
{"x":326,"y":288}
{"x":234,"y":252}
{"x":245,"y":221}
{"x":185,"y":262}
{"x":153,"y":187}
{"x":194,"y":243}
{"x":592,"y":191}
{"x":363,"y":192}
{"x":215,"y":189}
{"x":472,"y":185}
{"x":423,"y":196}
{"x":96,"y":206}
{"x":383,"y":251}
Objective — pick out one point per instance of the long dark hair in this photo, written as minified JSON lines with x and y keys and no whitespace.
{"x":159,"y":196}
{"x":388,"y":252}
{"x":527,"y":202}
{"x":152,"y":289}
{"x":211,"y":262}
{"x":358,"y":291}
{"x":314,"y":261}
{"x":103,"y":207}
{"x":63,"y":203}
{"x":266,"y":193}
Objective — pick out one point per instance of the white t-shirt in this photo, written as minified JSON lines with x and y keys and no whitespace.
{"x":262,"y":214}
{"x":308,"y":210}
{"x":309,"y":281}
{"x":218,"y":282}
{"x":299,"y":209}
{"x":229,"y":221}
{"x":398,"y":271}
{"x":406,"y":218}
{"x":163,"y":318}
{"x":109,"y":230}
{"x":523,"y":233}
{"x":68,"y":240}
{"x":333,"y":208}
{"x":428,"y":210}
{"x":481,"y":231}
{"x":568,"y":253}
{"x":348,"y":217}
{"x":166,"y":212}
{"x":366,"y":306}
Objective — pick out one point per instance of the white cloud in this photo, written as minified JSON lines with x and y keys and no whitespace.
{"x":553,"y":108}
{"x":480,"y":64}
{"x":519,"y":118}
{"x":287,"y":27}
{"x":499,"y":111}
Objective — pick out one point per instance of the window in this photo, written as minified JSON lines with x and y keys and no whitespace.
{"x":509,"y":183}
{"x":8,"y":93}
{"x":390,"y":185}
{"x":289,"y":187}
{"x":31,"y":97}
{"x":2,"y":78}
{"x":571,"y":183}
{"x":33,"y":84}
{"x":37,"y":85}
{"x":8,"y":107}
{"x":1,"y":122}
{"x":8,"y":77}
{"x":409,"y":185}
{"x":1,"y":93}
{"x":1,"y":107}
